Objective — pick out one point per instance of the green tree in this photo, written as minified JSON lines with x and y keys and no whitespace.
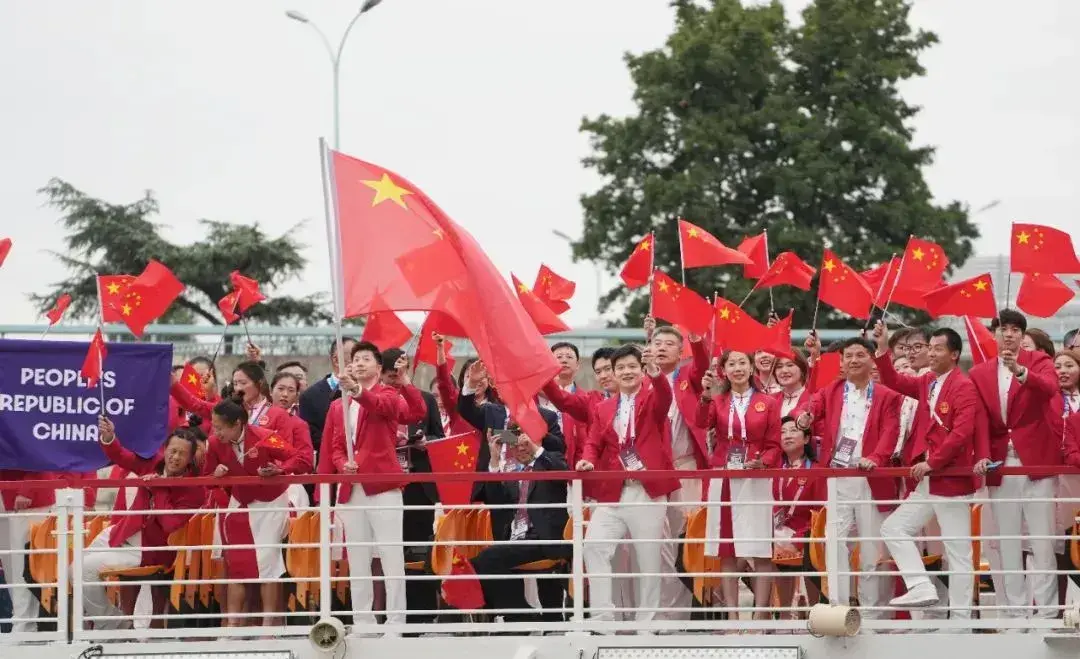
{"x":104,"y":238}
{"x":745,"y":122}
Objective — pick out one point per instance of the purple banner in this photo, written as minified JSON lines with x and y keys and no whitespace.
{"x":48,"y":416}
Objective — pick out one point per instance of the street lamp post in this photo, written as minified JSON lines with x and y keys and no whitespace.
{"x":335,"y":56}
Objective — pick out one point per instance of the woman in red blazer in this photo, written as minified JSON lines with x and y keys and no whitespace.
{"x":448,"y":391}
{"x":141,"y":539}
{"x":631,"y":433}
{"x":1064,"y":420}
{"x":256,"y":514}
{"x":746,"y":426}
{"x":791,"y":377}
{"x":791,"y":517}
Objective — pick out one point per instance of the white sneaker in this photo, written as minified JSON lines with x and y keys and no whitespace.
{"x":918,"y":597}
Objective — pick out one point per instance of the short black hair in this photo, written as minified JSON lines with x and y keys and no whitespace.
{"x":366,"y":346}
{"x":898,"y":336}
{"x":344,"y":340}
{"x":390,"y":357}
{"x":808,"y":450}
{"x":602,"y":353}
{"x":858,"y":341}
{"x":281,"y":375}
{"x":178,"y":367}
{"x":918,"y":332}
{"x":625,"y":351}
{"x":282,"y":367}
{"x":835,"y":346}
{"x":1070,"y":337}
{"x":1007,"y":317}
{"x":952,"y":340}
{"x":231,"y":411}
{"x":567,"y":344}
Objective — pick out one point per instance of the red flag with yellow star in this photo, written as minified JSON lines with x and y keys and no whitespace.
{"x":246,"y":290}
{"x":840,"y":287}
{"x":756,"y":249}
{"x":152,"y":293}
{"x":1039,"y":248}
{"x":192,"y":381}
{"x":971,"y":297}
{"x":788,"y":269}
{"x":679,"y":305}
{"x":463,"y":592}
{"x":113,"y":296}
{"x":546,"y":320}
{"x":93,"y":363}
{"x":395,"y":245}
{"x":700,"y":249}
{"x":920,"y":272}
{"x":638,"y":268}
{"x":227,"y":306}
{"x":1043,"y":295}
{"x":555,"y":291}
{"x":57,"y":312}
{"x":454,"y":455}
{"x":981,"y":342}
{"x":737,"y":330}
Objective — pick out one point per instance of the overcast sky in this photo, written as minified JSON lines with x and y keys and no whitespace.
{"x":217,"y":106}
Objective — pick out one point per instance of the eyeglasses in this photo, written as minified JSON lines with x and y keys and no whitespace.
{"x":917,"y":347}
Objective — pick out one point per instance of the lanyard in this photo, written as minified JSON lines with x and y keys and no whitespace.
{"x":849,"y":414}
{"x":626,"y":406}
{"x":798,"y":493}
{"x":257,"y":413}
{"x":1066,"y":399}
{"x":741,"y":408}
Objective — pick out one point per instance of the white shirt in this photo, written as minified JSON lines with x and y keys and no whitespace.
{"x":624,"y":415}
{"x":1005,"y":378}
{"x":1072,"y":402}
{"x":853,"y":417}
{"x":681,"y":442}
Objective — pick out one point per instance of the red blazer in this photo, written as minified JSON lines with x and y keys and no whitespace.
{"x":269,"y":448}
{"x":182,"y":397}
{"x":1028,"y":425}
{"x":1072,"y":440}
{"x":879,"y":437}
{"x":155,"y":528}
{"x":762,"y":429}
{"x":1055,"y":418}
{"x":799,"y":486}
{"x":382,"y":410}
{"x":687,"y":392}
{"x":952,"y":444}
{"x":39,"y":497}
{"x":581,"y":405}
{"x":652,"y":441}
{"x":448,"y":391}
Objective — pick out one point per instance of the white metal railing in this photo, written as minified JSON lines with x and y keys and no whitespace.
{"x":570,"y":614}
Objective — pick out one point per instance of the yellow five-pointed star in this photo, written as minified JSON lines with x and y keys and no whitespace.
{"x":126,"y":310}
{"x":644,"y":246}
{"x":692,"y":233}
{"x":463,"y":448}
{"x":830,"y":265}
{"x":192,"y":379}
{"x":725,"y":313}
{"x":114,"y":288}
{"x":522,"y":288}
{"x":385,"y":189}
{"x":917,"y":253}
{"x":1023,"y":237}
{"x":980,"y":285}
{"x":663,"y":286}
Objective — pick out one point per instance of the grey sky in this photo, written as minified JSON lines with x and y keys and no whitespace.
{"x":216,"y":106}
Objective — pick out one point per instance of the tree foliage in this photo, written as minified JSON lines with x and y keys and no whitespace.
{"x":745,"y":122}
{"x":104,"y":238}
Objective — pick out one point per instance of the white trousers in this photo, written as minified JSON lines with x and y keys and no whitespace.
{"x":1039,"y":518}
{"x":858,"y":516}
{"x":607,"y":528}
{"x":954,"y":517}
{"x":673,"y":593}
{"x":95,"y":600}
{"x":14,"y":534}
{"x":381,"y":525}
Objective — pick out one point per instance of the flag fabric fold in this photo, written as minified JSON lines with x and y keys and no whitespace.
{"x":788,"y":270}
{"x":700,"y":249}
{"x":679,"y":305}
{"x":547,"y":322}
{"x":920,"y":272}
{"x":424,"y":261}
{"x":756,"y":249}
{"x":386,"y":330}
{"x":840,"y":287}
{"x":1043,"y":295}
{"x":981,"y":342}
{"x":1039,"y":248}
{"x":57,"y":312}
{"x":93,"y":364}
{"x":970,"y":297}
{"x":638,"y":268}
{"x":555,"y":291}
{"x":5,"y":249}
{"x":227,"y":307}
{"x":247,"y":291}
{"x":737,"y":330}
{"x":138,"y":301}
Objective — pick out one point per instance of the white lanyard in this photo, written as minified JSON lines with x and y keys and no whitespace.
{"x":626,"y":406}
{"x":257,"y":412}
{"x":798,"y":492}
{"x":738,"y":404}
{"x":1069,"y":407}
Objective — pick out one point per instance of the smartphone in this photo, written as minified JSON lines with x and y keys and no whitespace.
{"x":507,"y":436}
{"x":994,"y":465}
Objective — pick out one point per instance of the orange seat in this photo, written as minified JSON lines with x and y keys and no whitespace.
{"x":694,"y":558}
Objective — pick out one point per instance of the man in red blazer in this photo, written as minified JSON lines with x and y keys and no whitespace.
{"x":1014,"y":392}
{"x":633,"y":434}
{"x":943,"y":438}
{"x":369,"y":446}
{"x":574,"y":431}
{"x":689,"y":449}
{"x":860,"y":424}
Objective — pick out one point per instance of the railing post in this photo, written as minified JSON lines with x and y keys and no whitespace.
{"x":578,"y":561}
{"x":69,"y":520}
{"x":324,"y":550}
{"x":832,"y":546}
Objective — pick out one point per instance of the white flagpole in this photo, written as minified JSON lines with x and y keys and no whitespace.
{"x":337,"y":276}
{"x":101,"y":328}
{"x":768,"y":264}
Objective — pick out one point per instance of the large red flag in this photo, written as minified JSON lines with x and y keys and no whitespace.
{"x":700,"y":249}
{"x":546,"y":320}
{"x":844,"y":289}
{"x":920,"y":272}
{"x":824,"y":372}
{"x":138,"y":301}
{"x":981,"y":342}
{"x":92,"y":367}
{"x":737,"y":330}
{"x":788,"y":269}
{"x":679,"y":305}
{"x":555,"y":291}
{"x":638,"y":268}
{"x":970,"y":297}
{"x":1043,"y":295}
{"x":1039,"y":248}
{"x":452,"y":455}
{"x":757,"y":248}
{"x":396,"y":245}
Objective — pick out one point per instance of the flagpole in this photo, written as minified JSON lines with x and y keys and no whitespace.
{"x":101,"y":329}
{"x":220,"y":344}
{"x":975,"y":340}
{"x":772,"y":304}
{"x":49,"y":327}
{"x":752,"y":292}
{"x":881,"y":289}
{"x":892,"y":291}
{"x":652,"y":271}
{"x":682,"y":261}
{"x":337,"y":279}
{"x":1008,"y":288}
